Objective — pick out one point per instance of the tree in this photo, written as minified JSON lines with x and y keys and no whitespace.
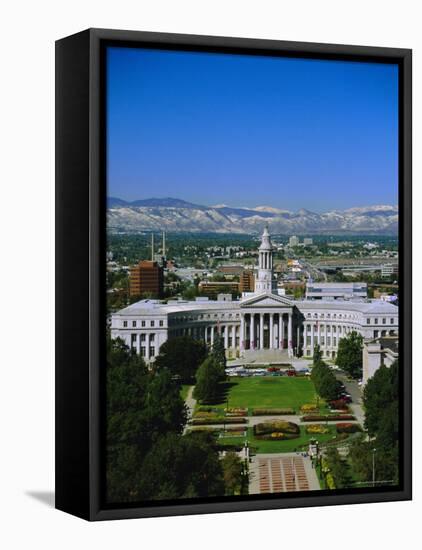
{"x":339,"y":468}
{"x":380,"y":399}
{"x":181,"y":356}
{"x":182,"y":467}
{"x":326,"y":384}
{"x":349,"y":355}
{"x":317,"y":357}
{"x":207,"y":380}
{"x":381,"y":403}
{"x":234,"y":479}
{"x":141,"y":407}
{"x":219,"y":355}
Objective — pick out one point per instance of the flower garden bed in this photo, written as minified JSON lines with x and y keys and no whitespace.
{"x":269,"y":412}
{"x":326,"y":417}
{"x":276,"y":430}
{"x":217,"y":420}
{"x":236,"y":411}
{"x":308,"y":408}
{"x":339,"y":405}
{"x":277,"y":436}
{"x":347,"y":428}
{"x":316,"y":429}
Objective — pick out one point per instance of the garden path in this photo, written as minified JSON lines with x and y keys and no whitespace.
{"x":190,"y":403}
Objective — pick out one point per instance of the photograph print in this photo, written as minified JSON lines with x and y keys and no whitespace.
{"x":252,"y":276}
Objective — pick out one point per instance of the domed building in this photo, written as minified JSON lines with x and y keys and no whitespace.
{"x":261,"y":326}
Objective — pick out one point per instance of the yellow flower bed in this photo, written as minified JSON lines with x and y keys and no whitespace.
{"x":330,"y":481}
{"x":308,"y":407}
{"x":316,"y":429}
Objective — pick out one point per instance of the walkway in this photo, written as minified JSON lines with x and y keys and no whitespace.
{"x":190,"y":403}
{"x":282,"y":473}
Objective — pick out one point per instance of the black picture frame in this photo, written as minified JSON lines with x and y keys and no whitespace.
{"x":80,"y":257}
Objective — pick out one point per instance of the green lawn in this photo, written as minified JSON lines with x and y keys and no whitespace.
{"x":299,"y":444}
{"x":184,"y":391}
{"x":269,"y":391}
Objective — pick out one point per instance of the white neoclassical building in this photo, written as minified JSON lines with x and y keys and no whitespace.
{"x":259,"y":321}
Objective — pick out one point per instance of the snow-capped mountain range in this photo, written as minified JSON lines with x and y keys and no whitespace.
{"x":177,"y":215}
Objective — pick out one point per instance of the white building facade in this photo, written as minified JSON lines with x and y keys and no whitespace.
{"x":262,"y":320}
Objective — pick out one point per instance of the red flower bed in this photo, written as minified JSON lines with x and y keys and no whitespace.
{"x":325,"y":418}
{"x":339,"y":404}
{"x":348,"y":428}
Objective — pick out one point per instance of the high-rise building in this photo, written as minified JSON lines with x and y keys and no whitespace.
{"x":293,"y":241}
{"x":389,"y":270}
{"x":247,"y":281}
{"x":146,"y":278}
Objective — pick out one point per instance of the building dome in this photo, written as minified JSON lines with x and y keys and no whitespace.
{"x":266,"y":243}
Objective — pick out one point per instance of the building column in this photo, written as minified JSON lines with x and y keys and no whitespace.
{"x":147,"y":347}
{"x":212,"y":335}
{"x":319,"y":334}
{"x":233,"y":330}
{"x":252,"y":331}
{"x":242,"y":333}
{"x":271,"y":346}
{"x":297,"y":339}
{"x":138,"y":344}
{"x":290,"y":332}
{"x":312,"y":338}
{"x":261,"y":331}
{"x":280,"y":331}
{"x":226,"y":336}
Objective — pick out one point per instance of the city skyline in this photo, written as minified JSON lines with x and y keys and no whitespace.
{"x":217,"y":128}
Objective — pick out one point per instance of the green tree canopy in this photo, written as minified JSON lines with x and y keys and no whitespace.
{"x":207,"y":380}
{"x":234,"y":478}
{"x":181,"y":356}
{"x":182,"y":467}
{"x":141,"y":407}
{"x":380,"y":399}
{"x":317,"y":357}
{"x":349,"y":354}
{"x":219,"y":355}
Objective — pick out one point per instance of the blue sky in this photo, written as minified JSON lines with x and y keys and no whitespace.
{"x":248,"y":131}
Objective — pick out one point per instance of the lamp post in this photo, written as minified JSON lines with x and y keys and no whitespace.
{"x":373,"y":467}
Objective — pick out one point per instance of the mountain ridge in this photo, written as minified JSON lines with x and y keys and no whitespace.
{"x":172,"y":214}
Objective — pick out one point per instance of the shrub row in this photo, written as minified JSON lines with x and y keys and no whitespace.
{"x":236,"y":411}
{"x":348,"y":428}
{"x":218,"y":420}
{"x":326,"y":417}
{"x":268,"y":412}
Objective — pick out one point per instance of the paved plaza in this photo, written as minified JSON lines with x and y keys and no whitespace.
{"x":282,"y":473}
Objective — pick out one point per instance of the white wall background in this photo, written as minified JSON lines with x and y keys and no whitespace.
{"x":29,"y":29}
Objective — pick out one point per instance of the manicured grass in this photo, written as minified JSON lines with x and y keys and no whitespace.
{"x":290,"y":445}
{"x":184,"y":391}
{"x":270,"y":391}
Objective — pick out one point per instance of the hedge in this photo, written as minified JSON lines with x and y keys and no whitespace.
{"x":348,"y":428}
{"x":327,"y":417}
{"x":218,"y":420}
{"x":268,"y":412}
